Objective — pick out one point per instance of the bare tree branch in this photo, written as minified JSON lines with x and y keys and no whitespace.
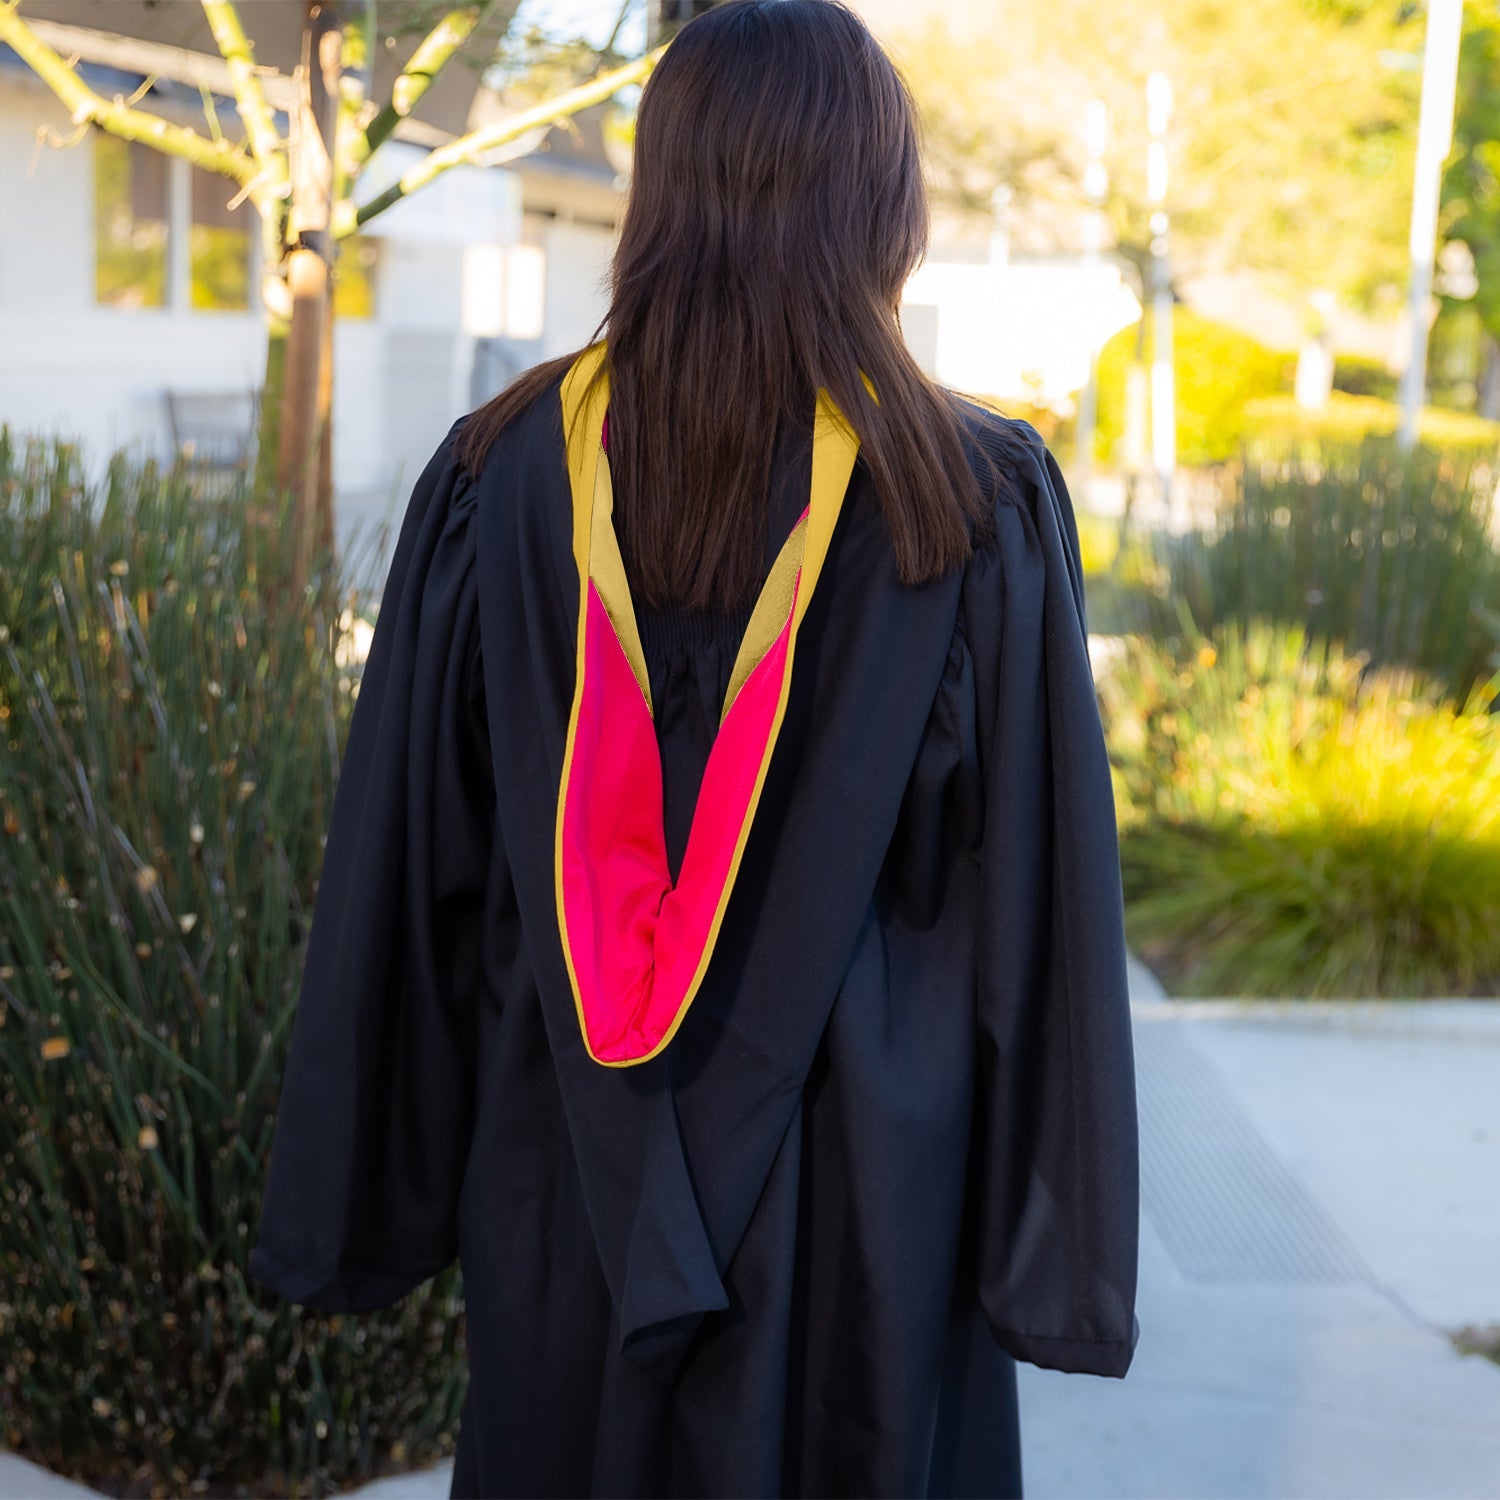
{"x":250,"y":97}
{"x":433,"y":54}
{"x":468,"y":147}
{"x":614,"y":34}
{"x":355,"y":63}
{"x":85,"y":107}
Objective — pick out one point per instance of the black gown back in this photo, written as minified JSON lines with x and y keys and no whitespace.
{"x":892,"y":1148}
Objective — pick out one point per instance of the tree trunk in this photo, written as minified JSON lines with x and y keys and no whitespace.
{"x":302,"y":467}
{"x":323,"y":533}
{"x":323,"y":542}
{"x":297,"y":468}
{"x":273,"y":388}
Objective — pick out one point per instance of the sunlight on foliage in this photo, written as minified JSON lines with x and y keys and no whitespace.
{"x":1293,"y":824}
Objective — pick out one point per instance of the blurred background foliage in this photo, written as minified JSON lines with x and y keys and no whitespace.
{"x":1302,"y":719}
{"x":1349,"y":419}
{"x":1218,"y":371}
{"x":1269,"y":175}
{"x":1307,"y":196}
{"x":1470,"y":210}
{"x":1385,"y":552}
{"x":1295,"y":824}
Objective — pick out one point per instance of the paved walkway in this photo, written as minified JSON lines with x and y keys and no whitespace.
{"x":1320,"y":1205}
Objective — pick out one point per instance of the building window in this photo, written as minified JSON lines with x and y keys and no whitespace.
{"x":354,"y":277}
{"x":164,"y":234}
{"x":218,"y":245}
{"x":130,"y":223}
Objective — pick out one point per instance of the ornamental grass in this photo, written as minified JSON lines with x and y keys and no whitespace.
{"x":1294,"y":823}
{"x":170,"y":730}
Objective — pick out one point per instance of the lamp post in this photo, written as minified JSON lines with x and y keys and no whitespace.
{"x":1434,"y":139}
{"x":1163,"y":394}
{"x":1000,"y":201}
{"x":1095,"y":187}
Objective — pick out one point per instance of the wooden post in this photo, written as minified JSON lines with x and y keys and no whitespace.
{"x":323,"y":519}
{"x":300,"y":466}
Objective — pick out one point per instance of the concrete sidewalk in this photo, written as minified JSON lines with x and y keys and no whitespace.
{"x":1320,"y":1206}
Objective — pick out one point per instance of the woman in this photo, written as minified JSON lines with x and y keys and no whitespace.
{"x":719,"y":946}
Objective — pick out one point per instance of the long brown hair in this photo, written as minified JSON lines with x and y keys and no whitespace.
{"x":776,"y":209}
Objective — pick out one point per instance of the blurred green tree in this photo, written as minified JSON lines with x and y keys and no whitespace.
{"x":1470,"y":211}
{"x":1291,"y":143}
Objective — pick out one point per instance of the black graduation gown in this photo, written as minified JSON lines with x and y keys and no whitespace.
{"x":892,"y":1147}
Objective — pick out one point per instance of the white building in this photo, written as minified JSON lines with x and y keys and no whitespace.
{"x":124,"y":276}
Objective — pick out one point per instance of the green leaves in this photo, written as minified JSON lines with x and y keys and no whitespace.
{"x":1291,"y":147}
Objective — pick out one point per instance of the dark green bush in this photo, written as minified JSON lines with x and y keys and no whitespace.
{"x":1389,"y":553}
{"x":1359,"y":375}
{"x":169,"y":745}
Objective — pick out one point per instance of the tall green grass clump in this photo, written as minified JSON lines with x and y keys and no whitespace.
{"x":169,"y":744}
{"x":1393,"y":554}
{"x":1294,"y":824}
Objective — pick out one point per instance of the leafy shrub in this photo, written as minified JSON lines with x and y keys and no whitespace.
{"x":1098,"y":542}
{"x":1217,"y":371}
{"x":169,"y":745}
{"x":1358,"y":375}
{"x":1347,"y":419}
{"x":1388,"y":552}
{"x":1294,"y":824}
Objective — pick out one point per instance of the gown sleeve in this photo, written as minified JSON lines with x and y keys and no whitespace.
{"x":377,"y":1098}
{"x":1058,"y":1189}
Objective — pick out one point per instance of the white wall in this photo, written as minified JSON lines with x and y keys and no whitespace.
{"x":401,"y":378}
{"x":46,"y":206}
{"x":1018,"y":331}
{"x":67,"y":365}
{"x":577,"y":291}
{"x":98,"y":374}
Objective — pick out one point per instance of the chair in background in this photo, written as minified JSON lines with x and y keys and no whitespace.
{"x":213,"y":437}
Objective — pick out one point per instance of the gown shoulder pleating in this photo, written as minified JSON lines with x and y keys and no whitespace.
{"x":892,"y":1146}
